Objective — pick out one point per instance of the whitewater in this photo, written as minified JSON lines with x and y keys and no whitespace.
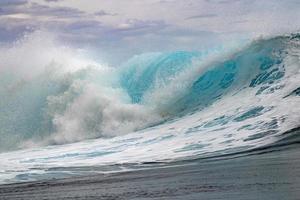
{"x":63,"y":114}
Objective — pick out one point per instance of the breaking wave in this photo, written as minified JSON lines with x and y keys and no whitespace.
{"x":154,"y":107}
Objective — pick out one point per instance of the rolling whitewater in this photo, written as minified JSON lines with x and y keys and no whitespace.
{"x":64,"y":117}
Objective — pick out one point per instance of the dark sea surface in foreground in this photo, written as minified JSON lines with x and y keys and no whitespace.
{"x":271,"y":172}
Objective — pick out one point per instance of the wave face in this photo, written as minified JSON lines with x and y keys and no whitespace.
{"x":155,"y":107}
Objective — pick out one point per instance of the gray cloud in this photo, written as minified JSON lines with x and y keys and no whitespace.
{"x":79,"y":27}
{"x":134,"y":25}
{"x":93,"y":31}
{"x":104,"y":13}
{"x":64,"y":12}
{"x":223,"y":1}
{"x":201,"y":16}
{"x":239,"y":21}
{"x":13,"y":27}
{"x":4,"y":3}
{"x":49,"y":1}
{"x":36,"y":9}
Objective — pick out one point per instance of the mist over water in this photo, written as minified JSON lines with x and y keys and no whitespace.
{"x":51,"y":94}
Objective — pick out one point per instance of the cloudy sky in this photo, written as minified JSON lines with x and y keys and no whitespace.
{"x":122,"y":28}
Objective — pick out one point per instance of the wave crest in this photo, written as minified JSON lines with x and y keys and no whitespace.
{"x":58,"y":96}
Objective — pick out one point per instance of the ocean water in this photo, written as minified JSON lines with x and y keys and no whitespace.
{"x":63,"y":115}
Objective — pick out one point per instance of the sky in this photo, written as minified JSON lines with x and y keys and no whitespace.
{"x":119,"y":29}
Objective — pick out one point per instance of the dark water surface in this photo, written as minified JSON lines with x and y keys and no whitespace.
{"x":268,"y":173}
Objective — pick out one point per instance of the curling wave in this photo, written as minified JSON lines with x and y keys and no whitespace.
{"x":155,"y":107}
